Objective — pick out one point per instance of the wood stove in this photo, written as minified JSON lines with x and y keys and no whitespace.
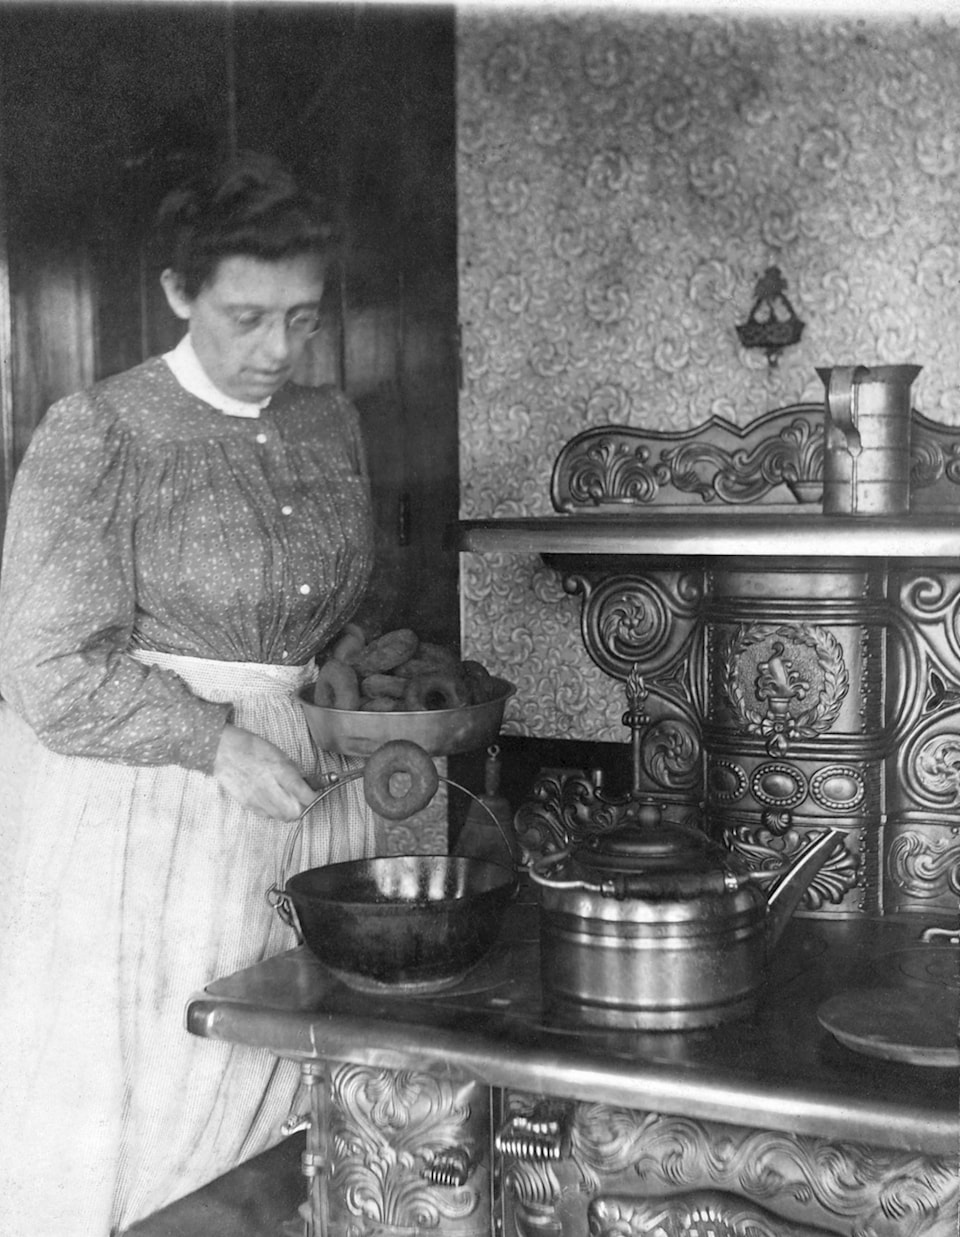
{"x":802,"y":672}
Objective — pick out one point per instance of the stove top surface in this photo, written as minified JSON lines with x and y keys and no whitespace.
{"x":780,"y":1062}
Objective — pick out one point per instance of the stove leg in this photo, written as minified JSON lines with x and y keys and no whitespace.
{"x":314,"y":1158}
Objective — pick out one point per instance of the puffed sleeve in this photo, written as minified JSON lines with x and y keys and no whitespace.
{"x":67,"y":605}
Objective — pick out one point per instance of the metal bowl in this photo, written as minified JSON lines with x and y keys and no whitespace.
{"x":403,"y":921}
{"x":440,"y":732}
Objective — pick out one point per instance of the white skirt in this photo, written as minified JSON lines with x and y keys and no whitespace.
{"x":123,"y":890}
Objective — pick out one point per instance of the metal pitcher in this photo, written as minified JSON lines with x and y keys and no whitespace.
{"x":866,"y":466}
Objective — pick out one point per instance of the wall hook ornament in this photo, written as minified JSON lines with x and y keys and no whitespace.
{"x":772,"y":323}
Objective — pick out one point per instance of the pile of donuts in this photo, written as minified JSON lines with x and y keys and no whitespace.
{"x":398,"y":672}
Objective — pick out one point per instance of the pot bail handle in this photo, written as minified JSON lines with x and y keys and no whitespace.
{"x":276,"y":895}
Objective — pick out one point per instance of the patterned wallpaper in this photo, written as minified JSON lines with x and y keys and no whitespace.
{"x":624,"y":179}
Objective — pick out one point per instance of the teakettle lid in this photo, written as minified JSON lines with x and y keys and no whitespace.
{"x":633,"y":848}
{"x":660,"y":848}
{"x":654,"y":856}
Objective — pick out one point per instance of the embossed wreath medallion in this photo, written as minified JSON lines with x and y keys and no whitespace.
{"x":784,"y":681}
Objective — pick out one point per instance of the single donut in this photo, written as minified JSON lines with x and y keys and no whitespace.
{"x":386,"y":652}
{"x":399,"y":756}
{"x":337,"y":686}
{"x":383,"y":685}
{"x":414,"y":668}
{"x":426,"y":662}
{"x":435,"y":691}
{"x":350,"y":642}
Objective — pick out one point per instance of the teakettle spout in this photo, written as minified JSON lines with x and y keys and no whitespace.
{"x":789,"y":888}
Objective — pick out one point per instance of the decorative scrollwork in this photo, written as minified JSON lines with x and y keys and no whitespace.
{"x":697,"y":1212}
{"x":569,"y":808}
{"x":634,"y":623}
{"x":532,"y":1180}
{"x":951,"y":466}
{"x":927,"y":460}
{"x":928,"y":597}
{"x":808,"y":1179}
{"x":924,"y":867}
{"x":929,"y":762}
{"x":387,"y":1126}
{"x":618,"y":465}
{"x":771,"y":845}
{"x":614,"y":465}
{"x":794,"y":457}
{"x":563,"y":808}
{"x":671,"y":755}
{"x":937,"y":766}
{"x":535,"y":1187}
{"x":934,"y":455}
{"x":609,"y":471}
{"x":644,"y":618}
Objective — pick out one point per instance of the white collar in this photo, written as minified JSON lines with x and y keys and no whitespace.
{"x":191,"y":375}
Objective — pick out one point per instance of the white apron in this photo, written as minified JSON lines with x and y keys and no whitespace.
{"x":122,"y":891}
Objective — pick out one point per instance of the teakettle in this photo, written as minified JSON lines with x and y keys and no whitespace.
{"x":653,"y":926}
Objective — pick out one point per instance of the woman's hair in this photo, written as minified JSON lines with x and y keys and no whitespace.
{"x":250,"y":206}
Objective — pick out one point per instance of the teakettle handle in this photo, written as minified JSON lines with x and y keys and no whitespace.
{"x":539,"y":868}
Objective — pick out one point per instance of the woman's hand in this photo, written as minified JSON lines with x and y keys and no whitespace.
{"x":259,"y":776}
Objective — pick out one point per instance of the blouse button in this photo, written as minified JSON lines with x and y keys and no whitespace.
{"x":304,"y":588}
{"x":261,"y":438}
{"x":286,"y":510}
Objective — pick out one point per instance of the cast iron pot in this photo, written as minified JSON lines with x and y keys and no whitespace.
{"x":403,"y":921}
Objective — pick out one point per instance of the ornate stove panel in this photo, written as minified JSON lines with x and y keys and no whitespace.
{"x":794,"y":733}
{"x":395,"y":1153}
{"x":920,"y":860}
{"x":618,"y":1172}
{"x":800,"y":672}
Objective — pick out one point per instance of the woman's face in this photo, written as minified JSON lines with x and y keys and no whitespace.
{"x":250,"y":323}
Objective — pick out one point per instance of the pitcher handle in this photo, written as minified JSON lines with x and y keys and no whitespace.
{"x":842,"y":406}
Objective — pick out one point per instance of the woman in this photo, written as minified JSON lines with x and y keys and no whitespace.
{"x":182,"y":539}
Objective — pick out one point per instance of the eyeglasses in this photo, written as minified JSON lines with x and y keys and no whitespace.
{"x":300,"y":323}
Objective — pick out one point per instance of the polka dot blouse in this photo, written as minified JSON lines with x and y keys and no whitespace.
{"x":142,"y":517}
